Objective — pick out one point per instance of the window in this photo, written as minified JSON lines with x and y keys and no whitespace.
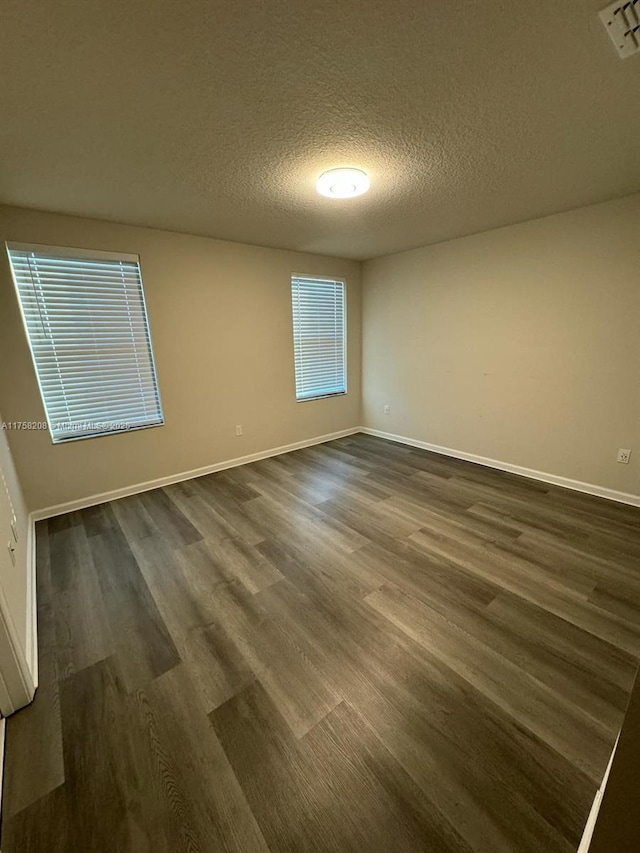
{"x":319,"y":336}
{"x":87,"y":325}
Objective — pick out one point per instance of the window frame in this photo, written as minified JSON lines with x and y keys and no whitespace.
{"x":333,"y":280}
{"x":95,"y":255}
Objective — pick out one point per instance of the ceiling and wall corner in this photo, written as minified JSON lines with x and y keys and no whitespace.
{"x":197,"y":118}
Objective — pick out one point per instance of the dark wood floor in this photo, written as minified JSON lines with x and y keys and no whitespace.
{"x":354,"y":647}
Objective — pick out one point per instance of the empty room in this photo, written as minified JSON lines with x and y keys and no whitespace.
{"x":320,"y":426}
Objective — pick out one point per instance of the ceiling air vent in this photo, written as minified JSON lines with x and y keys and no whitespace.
{"x":622,"y":22}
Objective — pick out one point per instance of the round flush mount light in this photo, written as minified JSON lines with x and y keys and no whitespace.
{"x":343,"y":183}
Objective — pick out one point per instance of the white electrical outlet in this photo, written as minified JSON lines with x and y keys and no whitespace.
{"x":387,"y":409}
{"x":624,"y":456}
{"x":239,"y":429}
{"x":12,"y":552}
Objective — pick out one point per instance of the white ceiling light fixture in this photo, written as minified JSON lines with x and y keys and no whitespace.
{"x":343,"y":183}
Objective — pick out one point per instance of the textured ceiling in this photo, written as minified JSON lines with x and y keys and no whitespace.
{"x":216,"y":116}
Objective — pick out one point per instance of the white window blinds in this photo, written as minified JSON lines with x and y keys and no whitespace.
{"x":87,"y":325}
{"x":319,"y":315}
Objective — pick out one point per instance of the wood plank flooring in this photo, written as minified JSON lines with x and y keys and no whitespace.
{"x":354,"y":647}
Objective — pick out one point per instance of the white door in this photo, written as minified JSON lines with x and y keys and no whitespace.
{"x":16,"y":681}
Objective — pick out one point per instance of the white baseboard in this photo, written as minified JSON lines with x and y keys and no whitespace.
{"x":31,"y":651}
{"x":3,"y":726}
{"x":531,"y":473}
{"x":104,"y":497}
{"x":554,"y":479}
{"x":585,"y":843}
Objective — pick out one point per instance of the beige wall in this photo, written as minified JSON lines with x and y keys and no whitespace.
{"x":220,"y":316}
{"x":13,"y":577}
{"x":520,"y":344}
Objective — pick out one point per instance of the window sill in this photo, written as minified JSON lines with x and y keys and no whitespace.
{"x":321,"y":397}
{"x":70,"y":438}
